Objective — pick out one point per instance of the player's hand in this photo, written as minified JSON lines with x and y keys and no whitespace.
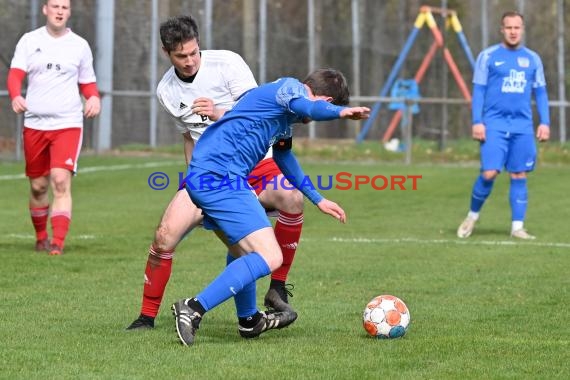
{"x":19,"y":104}
{"x":334,"y":210}
{"x":543,"y":132}
{"x":355,"y":113}
{"x":92,"y":107}
{"x":205,"y":107}
{"x":478,"y":132}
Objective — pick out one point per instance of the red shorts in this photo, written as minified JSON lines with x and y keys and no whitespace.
{"x":45,"y":150}
{"x":264,"y":172}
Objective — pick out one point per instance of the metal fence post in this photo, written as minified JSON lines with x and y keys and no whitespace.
{"x":409,"y":124}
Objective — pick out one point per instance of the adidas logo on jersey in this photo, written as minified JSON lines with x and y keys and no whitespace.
{"x":182,"y":106}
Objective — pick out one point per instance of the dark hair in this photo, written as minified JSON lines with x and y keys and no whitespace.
{"x":511,"y":14}
{"x":178,"y":30}
{"x":329,"y":82}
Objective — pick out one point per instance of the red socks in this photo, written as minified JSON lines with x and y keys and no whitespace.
{"x":288,"y":232}
{"x":39,"y":220}
{"x":156,"y":277}
{"x":60,"y":221}
{"x":159,"y":264}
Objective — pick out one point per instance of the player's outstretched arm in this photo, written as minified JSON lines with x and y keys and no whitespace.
{"x":321,"y":110}
{"x":355,"y":113}
{"x":333,"y":209}
{"x":289,"y":166}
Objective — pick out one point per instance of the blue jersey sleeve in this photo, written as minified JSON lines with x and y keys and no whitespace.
{"x":481,"y":71}
{"x":541,"y":97}
{"x":293,"y":95}
{"x":317,"y":110}
{"x":540,"y":93}
{"x":539,"y":77}
{"x":477,"y":103}
{"x":286,"y":161}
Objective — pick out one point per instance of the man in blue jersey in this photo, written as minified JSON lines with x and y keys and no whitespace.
{"x":217,"y":183}
{"x":196,"y":91}
{"x":506,"y":75}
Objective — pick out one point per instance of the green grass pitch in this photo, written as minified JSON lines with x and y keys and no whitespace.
{"x":485,"y":307}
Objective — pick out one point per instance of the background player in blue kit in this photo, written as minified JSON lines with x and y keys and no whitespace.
{"x":506,"y":75}
{"x":223,"y":158}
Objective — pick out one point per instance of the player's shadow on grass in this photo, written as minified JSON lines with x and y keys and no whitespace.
{"x":24,"y":246}
{"x":19,"y":247}
{"x":221,"y":331}
{"x":487,"y":232}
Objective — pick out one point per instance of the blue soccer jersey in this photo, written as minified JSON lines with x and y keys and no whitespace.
{"x":240,"y":139}
{"x":506,"y":79}
{"x":231,"y":147}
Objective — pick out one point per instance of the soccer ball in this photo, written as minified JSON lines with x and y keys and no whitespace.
{"x":386,"y":317}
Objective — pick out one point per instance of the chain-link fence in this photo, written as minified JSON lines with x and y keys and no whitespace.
{"x":363,"y":38}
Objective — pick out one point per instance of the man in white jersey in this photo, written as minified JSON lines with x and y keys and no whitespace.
{"x":196,"y":91}
{"x":59,"y":66}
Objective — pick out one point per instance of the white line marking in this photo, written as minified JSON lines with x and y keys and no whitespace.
{"x":8,"y":177}
{"x":440,"y":241}
{"x":31,"y":237}
{"x":94,"y":169}
{"x":377,"y":241}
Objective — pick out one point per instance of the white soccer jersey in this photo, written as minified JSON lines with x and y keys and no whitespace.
{"x":54,"y":67}
{"x":223,"y":76}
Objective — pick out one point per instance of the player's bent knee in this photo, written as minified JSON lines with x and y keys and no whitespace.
{"x":519,"y":175}
{"x":274,"y":262}
{"x":297,"y":200}
{"x":164,"y":239}
{"x":490,"y":175}
{"x":156,"y":253}
{"x":292,"y":201}
{"x":273,"y":259}
{"x":39,"y":189}
{"x":60,"y":186}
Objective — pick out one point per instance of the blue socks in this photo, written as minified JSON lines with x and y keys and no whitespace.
{"x":481,"y":190}
{"x":237,"y":275}
{"x":245,"y":300}
{"x":518,"y":198}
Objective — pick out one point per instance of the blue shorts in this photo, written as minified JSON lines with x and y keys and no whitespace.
{"x":229,"y":205}
{"x":513,"y":151}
